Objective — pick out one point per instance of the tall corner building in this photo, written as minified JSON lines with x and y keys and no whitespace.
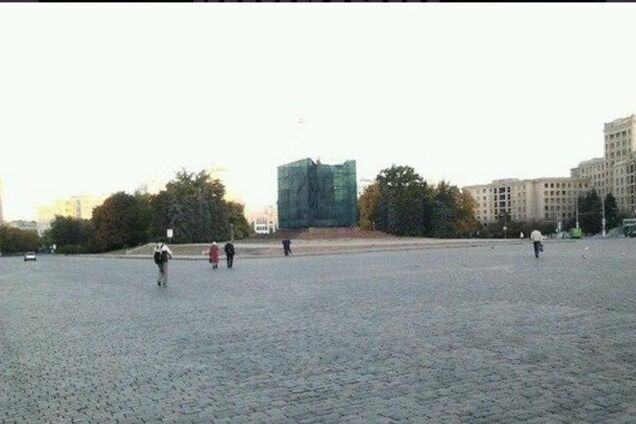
{"x":615,"y":172}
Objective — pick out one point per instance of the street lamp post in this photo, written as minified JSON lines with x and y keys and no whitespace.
{"x":603,"y":215}
{"x":577,"y":212}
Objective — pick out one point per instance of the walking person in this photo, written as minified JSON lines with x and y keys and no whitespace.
{"x":214,"y":255}
{"x":161,"y":254}
{"x":287,"y":247}
{"x":537,"y":241}
{"x":229,"y":253}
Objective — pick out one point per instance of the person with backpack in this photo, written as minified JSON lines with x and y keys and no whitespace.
{"x":229,"y":253}
{"x":161,"y":254}
{"x":214,"y":255}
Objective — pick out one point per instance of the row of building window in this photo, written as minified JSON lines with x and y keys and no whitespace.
{"x":623,"y":133}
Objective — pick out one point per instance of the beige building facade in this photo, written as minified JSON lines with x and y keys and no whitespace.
{"x":262,"y":219}
{"x":74,"y":207}
{"x":615,"y":172}
{"x":541,"y":199}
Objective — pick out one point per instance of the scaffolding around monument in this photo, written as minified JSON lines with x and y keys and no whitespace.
{"x":312,"y":194}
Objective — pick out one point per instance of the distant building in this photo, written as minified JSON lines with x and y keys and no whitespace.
{"x":24,"y":225}
{"x":311,"y":194}
{"x":541,"y":199}
{"x":615,"y":172}
{"x":262,"y":219}
{"x":73,"y":207}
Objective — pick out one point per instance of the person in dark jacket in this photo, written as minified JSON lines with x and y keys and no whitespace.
{"x":229,"y":254}
{"x":287,"y":247}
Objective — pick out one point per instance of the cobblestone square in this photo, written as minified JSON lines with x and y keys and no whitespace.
{"x":458,"y":335}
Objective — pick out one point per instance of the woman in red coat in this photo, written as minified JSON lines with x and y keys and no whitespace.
{"x":214,"y":255}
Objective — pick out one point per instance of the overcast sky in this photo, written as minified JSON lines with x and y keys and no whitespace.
{"x":101,"y":98}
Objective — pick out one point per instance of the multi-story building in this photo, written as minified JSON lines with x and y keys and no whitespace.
{"x":74,"y":207}
{"x":594,"y":172}
{"x":615,"y":172}
{"x":24,"y":225}
{"x":541,"y":199}
{"x":263,"y":219}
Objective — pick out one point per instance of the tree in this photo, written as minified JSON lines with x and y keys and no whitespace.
{"x":237,"y":218}
{"x":402,"y":208}
{"x":466,"y":224}
{"x":75,"y":232}
{"x":611,"y":212}
{"x":15,"y":240}
{"x":123,"y":220}
{"x":590,"y":207}
{"x":445,"y":208}
{"x":368,"y":206}
{"x":401,"y":202}
{"x":193,"y":206}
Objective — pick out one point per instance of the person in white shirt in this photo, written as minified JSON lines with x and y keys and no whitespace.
{"x":537,"y":239}
{"x":161,"y":254}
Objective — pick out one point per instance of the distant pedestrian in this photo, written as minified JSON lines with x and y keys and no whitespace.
{"x":161,"y":255}
{"x":521,"y":235}
{"x":214,"y":255}
{"x":287,"y":247}
{"x":537,"y":241}
{"x":229,"y":254}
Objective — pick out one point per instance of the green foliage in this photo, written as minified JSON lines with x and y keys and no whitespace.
{"x":73,"y":249}
{"x":193,"y":206}
{"x":400,"y":202}
{"x":121,"y":221}
{"x":236,"y":216}
{"x":466,"y":224}
{"x":15,"y":240}
{"x":590,"y":213}
{"x":71,"y":231}
{"x":611,"y":212}
{"x":515,"y":228}
{"x":368,"y":206}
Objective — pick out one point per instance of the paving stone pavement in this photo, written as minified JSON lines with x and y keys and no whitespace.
{"x":465,"y":335}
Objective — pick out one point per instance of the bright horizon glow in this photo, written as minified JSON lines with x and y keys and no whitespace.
{"x":102,"y":98}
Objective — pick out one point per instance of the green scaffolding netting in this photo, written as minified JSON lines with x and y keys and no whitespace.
{"x":312,"y":194}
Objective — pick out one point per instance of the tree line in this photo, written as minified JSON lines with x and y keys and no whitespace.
{"x":591,"y":213}
{"x":192,"y":204}
{"x":16,"y":240}
{"x":401,"y":202}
